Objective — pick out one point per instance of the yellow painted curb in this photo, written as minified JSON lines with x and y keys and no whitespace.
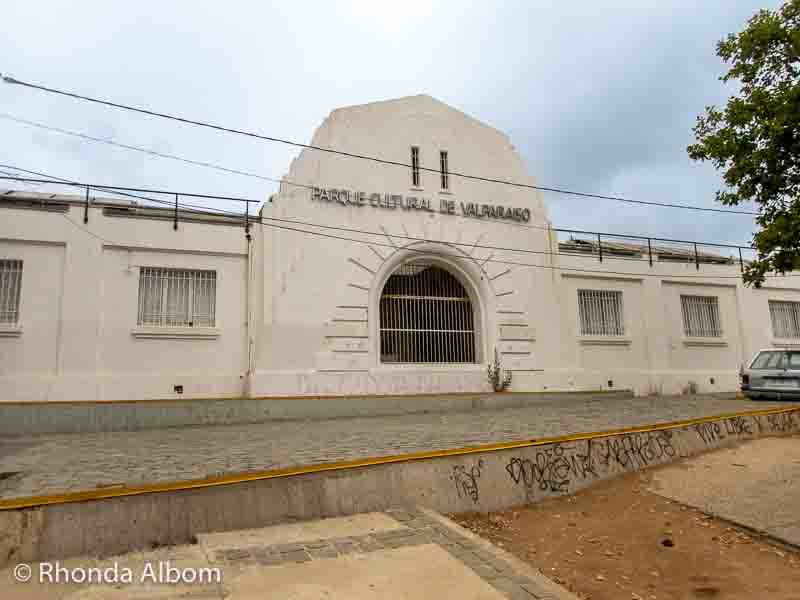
{"x":109,"y":492}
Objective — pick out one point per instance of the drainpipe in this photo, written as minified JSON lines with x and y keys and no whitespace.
{"x":249,"y":286}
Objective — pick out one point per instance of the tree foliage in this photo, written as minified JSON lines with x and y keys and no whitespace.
{"x":755,"y":138}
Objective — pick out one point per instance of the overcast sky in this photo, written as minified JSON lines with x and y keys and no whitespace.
{"x":598,"y":97}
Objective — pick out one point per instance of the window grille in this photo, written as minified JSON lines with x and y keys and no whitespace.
{"x":701,"y":316}
{"x":444,"y":170}
{"x":177,"y":297}
{"x":785,"y":318}
{"x":601,"y":312}
{"x":415,"y":166}
{"x":10,"y":289}
{"x":426,"y":317}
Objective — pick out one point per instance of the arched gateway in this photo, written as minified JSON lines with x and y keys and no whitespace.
{"x":426,"y":316}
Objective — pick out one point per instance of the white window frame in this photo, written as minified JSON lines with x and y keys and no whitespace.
{"x":10,"y":293}
{"x":601,"y":313}
{"x":784,"y":315}
{"x":701,"y":316}
{"x":166,"y":285}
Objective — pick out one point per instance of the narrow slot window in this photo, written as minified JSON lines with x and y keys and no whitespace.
{"x":415,"y":166}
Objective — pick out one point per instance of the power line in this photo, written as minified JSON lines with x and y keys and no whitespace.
{"x":504,"y":262}
{"x":292,"y":183}
{"x":311,"y":224}
{"x":251,"y":134}
{"x":98,"y":186}
{"x":203,"y":163}
{"x":217,"y":212}
{"x":351,"y":230}
{"x":68,"y":181}
{"x":188,"y":194}
{"x":260,"y":220}
{"x":111,"y":142}
{"x":86,"y":231}
{"x":222,"y":168}
{"x":364,"y":232}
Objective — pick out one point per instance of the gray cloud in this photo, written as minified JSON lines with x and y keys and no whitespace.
{"x":598,"y":97}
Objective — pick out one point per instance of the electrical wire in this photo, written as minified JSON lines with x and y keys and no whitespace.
{"x":149,"y":151}
{"x":173,"y":193}
{"x":506,"y":262}
{"x":372,"y":233}
{"x":86,"y":230}
{"x":69,"y":182}
{"x":13,"y":81}
{"x":98,"y":186}
{"x":260,"y":220}
{"x":230,"y":170}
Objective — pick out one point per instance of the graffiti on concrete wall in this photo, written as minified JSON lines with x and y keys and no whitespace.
{"x":709,"y":432}
{"x":552,"y":469}
{"x":739,"y":426}
{"x":557,"y":467}
{"x":714,"y":432}
{"x":466,"y":480}
{"x":782,"y":422}
{"x":636,"y":450}
{"x":565,"y":467}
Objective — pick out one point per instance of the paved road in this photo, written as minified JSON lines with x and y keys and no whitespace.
{"x":60,"y":463}
{"x":756,"y":484}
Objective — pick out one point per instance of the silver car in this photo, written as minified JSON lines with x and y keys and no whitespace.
{"x":773,"y":373}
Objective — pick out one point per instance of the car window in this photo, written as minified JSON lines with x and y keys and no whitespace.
{"x":770,"y":360}
{"x":792,"y":360}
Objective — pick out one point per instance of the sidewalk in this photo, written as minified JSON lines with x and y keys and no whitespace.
{"x":394,"y":555}
{"x":63,"y":463}
{"x":755,"y":485}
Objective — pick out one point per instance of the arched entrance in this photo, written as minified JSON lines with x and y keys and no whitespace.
{"x":426,"y":316}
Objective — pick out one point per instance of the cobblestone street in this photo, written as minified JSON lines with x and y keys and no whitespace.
{"x":51,"y":464}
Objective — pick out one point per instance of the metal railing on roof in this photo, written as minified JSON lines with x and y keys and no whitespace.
{"x":650,"y":249}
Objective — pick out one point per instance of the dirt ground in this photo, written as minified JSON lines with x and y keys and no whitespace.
{"x":616,"y":540}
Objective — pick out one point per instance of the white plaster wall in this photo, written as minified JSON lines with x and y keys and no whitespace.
{"x":78,"y":309}
{"x":754,"y":305}
{"x":659,"y":358}
{"x":316,"y":280}
{"x":312,"y":318}
{"x":30,"y":349}
{"x":205,"y":367}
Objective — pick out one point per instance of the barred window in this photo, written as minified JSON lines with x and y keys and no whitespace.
{"x":601,"y":312}
{"x":415,"y":166}
{"x":444,"y":169}
{"x":785,"y":318}
{"x":10,"y":288}
{"x":426,"y":316}
{"x":177,"y":297}
{"x":701,"y":316}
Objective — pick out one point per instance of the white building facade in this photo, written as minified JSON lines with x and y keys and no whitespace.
{"x":363,"y":278}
